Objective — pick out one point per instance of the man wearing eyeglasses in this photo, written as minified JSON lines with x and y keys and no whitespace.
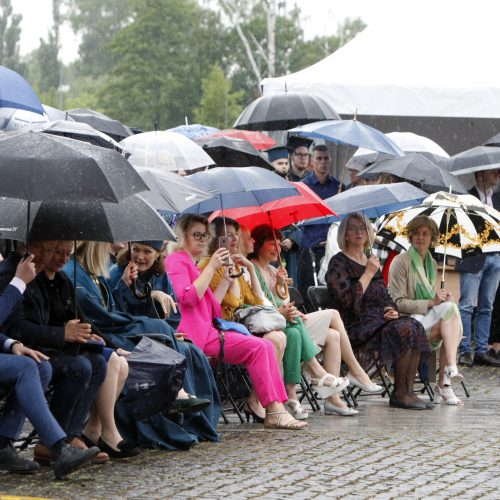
{"x":314,"y":237}
{"x":299,"y":159}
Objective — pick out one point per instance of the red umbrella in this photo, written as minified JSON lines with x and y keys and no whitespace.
{"x":280,"y":213}
{"x":257,"y":139}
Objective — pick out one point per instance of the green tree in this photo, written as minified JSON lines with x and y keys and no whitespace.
{"x":219,"y":106}
{"x":10,"y":34}
{"x":161,"y":58}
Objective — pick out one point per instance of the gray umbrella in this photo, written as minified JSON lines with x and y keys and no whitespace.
{"x":284,"y":111}
{"x":39,"y":167}
{"x":130,"y":219}
{"x":56,"y":114}
{"x":479,"y":156}
{"x":417,"y":168}
{"x":170,"y":192}
{"x":101,"y":122}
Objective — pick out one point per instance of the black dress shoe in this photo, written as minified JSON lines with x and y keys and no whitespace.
{"x":494,"y":354}
{"x":126,"y":449}
{"x":190,"y":404}
{"x":485,"y":359}
{"x":71,"y":458}
{"x":396,"y":403}
{"x":465,"y":359}
{"x":11,"y":461}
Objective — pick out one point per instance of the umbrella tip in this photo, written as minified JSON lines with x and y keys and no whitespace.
{"x":286,"y":88}
{"x":355,"y":117}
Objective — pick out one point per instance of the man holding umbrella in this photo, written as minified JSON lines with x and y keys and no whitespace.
{"x":479,"y":279}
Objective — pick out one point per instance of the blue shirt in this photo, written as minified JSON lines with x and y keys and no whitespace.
{"x":315,"y":234}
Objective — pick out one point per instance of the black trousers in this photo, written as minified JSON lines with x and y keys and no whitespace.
{"x":495,"y":320}
{"x":306,"y":271}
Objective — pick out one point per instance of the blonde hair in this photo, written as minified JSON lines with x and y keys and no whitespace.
{"x":418,"y":222}
{"x":185,"y":223}
{"x":343,"y":228}
{"x":94,"y":257}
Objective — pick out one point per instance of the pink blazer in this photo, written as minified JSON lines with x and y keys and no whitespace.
{"x":197,"y":314}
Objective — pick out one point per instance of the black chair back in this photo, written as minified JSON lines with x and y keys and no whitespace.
{"x":319,"y":297}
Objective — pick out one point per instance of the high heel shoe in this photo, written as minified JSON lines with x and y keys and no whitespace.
{"x":257,"y":419}
{"x":453,"y":375}
{"x":370,"y":389}
{"x":296,"y":409}
{"x":331,"y":409}
{"x":325,"y":390}
{"x":447,"y":395}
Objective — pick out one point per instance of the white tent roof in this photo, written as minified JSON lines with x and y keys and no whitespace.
{"x":434,"y":58}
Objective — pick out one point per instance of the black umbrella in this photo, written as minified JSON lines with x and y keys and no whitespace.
{"x":130,"y":219}
{"x":417,"y":168}
{"x":101,"y":122}
{"x":75,"y":130}
{"x":284,"y":111}
{"x":229,"y":152}
{"x":39,"y":167}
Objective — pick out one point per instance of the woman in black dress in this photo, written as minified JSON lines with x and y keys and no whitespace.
{"x":369,"y":314}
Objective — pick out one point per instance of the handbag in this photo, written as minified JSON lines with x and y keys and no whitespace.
{"x":261,"y":319}
{"x":223,"y":325}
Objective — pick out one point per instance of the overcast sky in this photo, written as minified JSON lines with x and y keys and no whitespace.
{"x":320,"y":17}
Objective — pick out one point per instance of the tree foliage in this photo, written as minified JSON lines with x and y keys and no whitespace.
{"x":10,"y":34}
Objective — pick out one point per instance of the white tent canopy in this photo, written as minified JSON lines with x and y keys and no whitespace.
{"x":433,"y":59}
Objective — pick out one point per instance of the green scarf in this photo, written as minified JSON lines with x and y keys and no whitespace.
{"x":426,"y":274}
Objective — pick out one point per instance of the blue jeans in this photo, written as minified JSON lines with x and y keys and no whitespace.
{"x":76,"y":381}
{"x":29,"y":380}
{"x":478,"y":290}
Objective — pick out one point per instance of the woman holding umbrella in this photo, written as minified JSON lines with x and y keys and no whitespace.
{"x":199,"y":306}
{"x":412,"y":285}
{"x":369,"y":314}
{"x":307,"y":333}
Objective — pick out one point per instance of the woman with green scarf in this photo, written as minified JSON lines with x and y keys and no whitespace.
{"x":412,"y":285}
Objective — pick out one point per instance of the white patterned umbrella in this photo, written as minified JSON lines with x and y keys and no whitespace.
{"x":466,"y":226}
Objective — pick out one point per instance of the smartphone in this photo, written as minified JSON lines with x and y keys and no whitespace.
{"x":223,"y":240}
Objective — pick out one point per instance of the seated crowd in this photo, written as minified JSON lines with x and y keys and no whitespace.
{"x":81,"y":347}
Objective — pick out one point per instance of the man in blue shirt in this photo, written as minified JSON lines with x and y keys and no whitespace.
{"x":314,"y":237}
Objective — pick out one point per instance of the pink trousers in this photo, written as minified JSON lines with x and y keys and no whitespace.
{"x":258,"y":357}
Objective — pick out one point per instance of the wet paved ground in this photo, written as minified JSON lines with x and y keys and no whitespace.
{"x":450,"y":452}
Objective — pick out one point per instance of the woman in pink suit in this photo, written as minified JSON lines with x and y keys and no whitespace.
{"x":199,"y":306}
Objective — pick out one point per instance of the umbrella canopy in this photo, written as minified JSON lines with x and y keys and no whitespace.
{"x":232,"y":152}
{"x":257,"y":139}
{"x":41,"y":167}
{"x":493,"y":141}
{"x":130,"y":219}
{"x":194,"y":131}
{"x":416,"y":167}
{"x":167,"y":150}
{"x":170,"y":192}
{"x":373,"y":200}
{"x":466,"y":226}
{"x":54,"y":114}
{"x":475,"y":157}
{"x":239,"y":187}
{"x":284,"y":111}
{"x":350,"y":132}
{"x":281,"y":213}
{"x":76,"y":130}
{"x":16,"y":93}
{"x":101,"y":122}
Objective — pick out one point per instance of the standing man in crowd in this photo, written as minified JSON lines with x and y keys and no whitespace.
{"x":314,"y":237}
{"x":278,"y":157}
{"x":479,"y":279}
{"x":299,"y":158}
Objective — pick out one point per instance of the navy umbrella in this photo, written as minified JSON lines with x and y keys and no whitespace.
{"x":239,"y":187}
{"x":16,"y":93}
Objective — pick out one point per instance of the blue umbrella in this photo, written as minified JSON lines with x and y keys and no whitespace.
{"x":350,"y":132}
{"x":234,"y":187}
{"x":373,"y":200}
{"x":16,"y":93}
{"x":194,"y":131}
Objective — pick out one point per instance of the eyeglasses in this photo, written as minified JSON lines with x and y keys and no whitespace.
{"x":200,"y":236}
{"x":356,"y":229}
{"x":302,"y":155}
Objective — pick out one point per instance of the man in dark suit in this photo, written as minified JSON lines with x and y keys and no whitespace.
{"x":479,"y":279}
{"x":77,"y":374}
{"x":27,"y":379}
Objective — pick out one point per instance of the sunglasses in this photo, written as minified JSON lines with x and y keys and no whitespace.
{"x":200,"y":236}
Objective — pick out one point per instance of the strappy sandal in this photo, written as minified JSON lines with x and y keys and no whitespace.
{"x":325,"y":390}
{"x":447,"y":395}
{"x":289,"y":423}
{"x":296,"y":409}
